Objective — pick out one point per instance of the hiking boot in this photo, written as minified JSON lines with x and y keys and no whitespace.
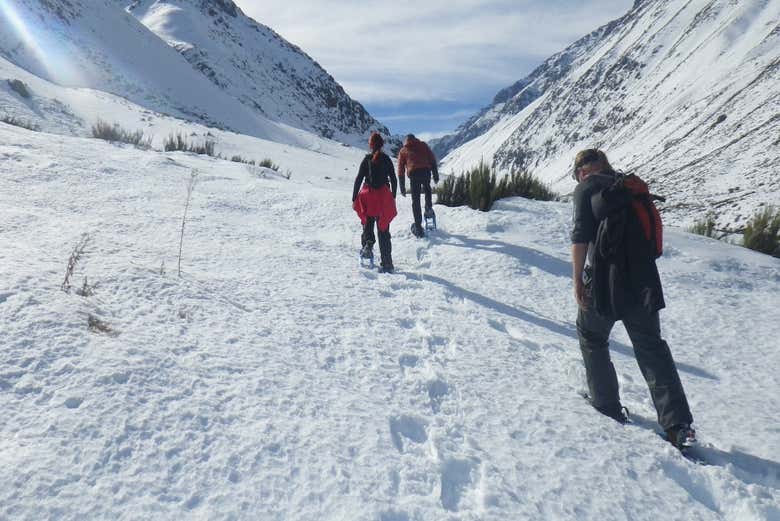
{"x":417,"y":230}
{"x":429,"y":213}
{"x":386,"y":268}
{"x":681,"y":436}
{"x":367,"y":251}
{"x":617,"y":412}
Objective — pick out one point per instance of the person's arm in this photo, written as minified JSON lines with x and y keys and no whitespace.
{"x":359,"y":179}
{"x":402,"y":170}
{"x":393,"y":179}
{"x":583,"y":232}
{"x":434,"y":166}
{"x":579,"y":252}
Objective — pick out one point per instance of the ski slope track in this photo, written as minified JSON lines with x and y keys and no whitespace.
{"x":275,"y":379}
{"x":682,"y":92}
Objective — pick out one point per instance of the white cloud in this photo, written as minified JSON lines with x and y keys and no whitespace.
{"x":436,"y":50}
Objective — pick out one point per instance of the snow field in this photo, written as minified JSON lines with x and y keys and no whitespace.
{"x":278,"y":380}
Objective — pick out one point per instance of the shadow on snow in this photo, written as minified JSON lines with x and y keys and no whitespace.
{"x":531,"y":317}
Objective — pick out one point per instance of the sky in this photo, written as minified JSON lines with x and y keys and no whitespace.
{"x":425,"y":66}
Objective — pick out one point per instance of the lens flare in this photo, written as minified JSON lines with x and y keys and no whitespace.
{"x":34,"y":47}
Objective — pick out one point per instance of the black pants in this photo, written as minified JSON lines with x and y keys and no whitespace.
{"x":420,"y":181}
{"x":652,"y":354}
{"x":385,"y":248}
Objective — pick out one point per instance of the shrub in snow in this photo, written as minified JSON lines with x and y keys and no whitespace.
{"x":705,"y":227}
{"x":478,"y":188}
{"x":267,"y":163}
{"x":75,"y":257}
{"x":190,"y":188}
{"x":178,"y":143}
{"x":97,"y":325}
{"x":115,"y":133}
{"x":20,"y":88}
{"x":762,"y":233}
{"x":10,"y":120}
{"x":523,"y":184}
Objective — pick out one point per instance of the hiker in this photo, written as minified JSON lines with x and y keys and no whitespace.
{"x":374,"y":202}
{"x":418,"y":162}
{"x":629,"y":290}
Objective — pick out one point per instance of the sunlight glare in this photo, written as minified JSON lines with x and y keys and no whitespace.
{"x":45,"y":56}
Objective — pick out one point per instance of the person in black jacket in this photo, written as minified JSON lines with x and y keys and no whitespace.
{"x":594,"y":174}
{"x":375,"y":201}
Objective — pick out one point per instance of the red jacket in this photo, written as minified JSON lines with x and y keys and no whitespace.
{"x":415,"y":155}
{"x":377,"y":203}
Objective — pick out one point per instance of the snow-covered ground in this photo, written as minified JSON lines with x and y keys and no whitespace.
{"x":278,"y":380}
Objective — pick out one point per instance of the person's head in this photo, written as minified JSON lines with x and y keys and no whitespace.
{"x":409,"y":139}
{"x":375,"y":144}
{"x":590,"y":161}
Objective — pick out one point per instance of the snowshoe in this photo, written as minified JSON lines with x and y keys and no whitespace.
{"x":430,"y":219}
{"x":681,"y":436}
{"x":618,"y":413}
{"x":367,"y":256}
{"x":417,"y":231}
{"x":388,"y":268}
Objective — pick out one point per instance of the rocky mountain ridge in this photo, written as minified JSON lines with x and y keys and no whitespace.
{"x":684,"y":92}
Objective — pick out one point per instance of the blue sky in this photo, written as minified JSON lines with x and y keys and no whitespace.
{"x":425,"y":66}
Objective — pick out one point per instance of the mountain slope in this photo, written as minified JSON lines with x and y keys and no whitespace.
{"x":682,"y":91}
{"x":253,"y":64}
{"x":276,"y":380}
{"x":76,"y":44}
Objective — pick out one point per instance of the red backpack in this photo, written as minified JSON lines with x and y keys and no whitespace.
{"x":628,"y":191}
{"x":645,"y":210}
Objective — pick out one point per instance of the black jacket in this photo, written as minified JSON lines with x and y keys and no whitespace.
{"x":382,"y":170}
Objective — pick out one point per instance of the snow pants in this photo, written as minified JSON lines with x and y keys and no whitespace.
{"x":385,"y":247}
{"x":652,"y":355}
{"x":420,"y":181}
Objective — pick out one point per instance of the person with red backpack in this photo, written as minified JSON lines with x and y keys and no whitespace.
{"x":417,"y":159}
{"x":616,"y":238}
{"x":375,"y":202}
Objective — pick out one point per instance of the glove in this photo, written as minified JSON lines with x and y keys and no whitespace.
{"x":435,"y":177}
{"x":403,"y":187}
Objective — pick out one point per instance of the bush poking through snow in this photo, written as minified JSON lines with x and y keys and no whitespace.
{"x":478,"y":188}
{"x":19,"y":87}
{"x":239,"y":159}
{"x":96,"y":325}
{"x":705,"y":227}
{"x":116,"y":134}
{"x":21,"y":123}
{"x":523,"y":184}
{"x":86,"y":290}
{"x":75,"y":256}
{"x":267,"y":163}
{"x":190,"y":188}
{"x":762,"y":233}
{"x":178,"y":143}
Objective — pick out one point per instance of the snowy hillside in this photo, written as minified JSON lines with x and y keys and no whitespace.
{"x":684,"y":92}
{"x":277,"y":380}
{"x":102,"y":52}
{"x":253,"y":64}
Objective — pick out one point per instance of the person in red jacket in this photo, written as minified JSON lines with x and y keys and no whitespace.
{"x":374,"y":202}
{"x":417,"y":160}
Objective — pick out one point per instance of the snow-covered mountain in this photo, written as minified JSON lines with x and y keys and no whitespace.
{"x":684,"y":92}
{"x":256,"y":66}
{"x":97,"y":45}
